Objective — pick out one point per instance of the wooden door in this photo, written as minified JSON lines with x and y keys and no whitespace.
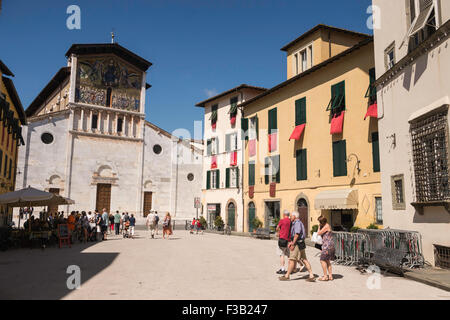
{"x":103,"y":197}
{"x":53,"y":208}
{"x":302,"y":208}
{"x":231,"y":216}
{"x":251,"y":216}
{"x":147,"y":203}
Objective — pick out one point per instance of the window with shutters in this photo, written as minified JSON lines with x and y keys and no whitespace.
{"x":339,"y":158}
{"x":215,"y":179}
{"x":378,"y":210}
{"x":232,"y":176}
{"x":300,"y":111}
{"x":398,"y":192}
{"x":251,"y":173}
{"x":231,"y":142}
{"x":371,"y":92}
{"x":337,"y":101}
{"x":273,"y":125}
{"x":272,"y":169}
{"x":214,"y":142}
{"x":375,"y":152}
{"x":253,"y":128}
{"x":300,"y":156}
{"x":233,"y":106}
{"x":424,"y":19}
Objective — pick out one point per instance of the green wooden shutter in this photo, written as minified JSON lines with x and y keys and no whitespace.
{"x":227,"y":178}
{"x":266,"y":170}
{"x":244,"y":128}
{"x":272,"y":120}
{"x":208,"y":180}
{"x":217,"y":179}
{"x":251,"y":173}
{"x":228,"y":143}
{"x":237,"y":177}
{"x":276,"y":165}
{"x":301,"y":165}
{"x":1,"y":159}
{"x":375,"y":152}
{"x":257,"y":127}
{"x":300,"y":111}
{"x":339,"y":158}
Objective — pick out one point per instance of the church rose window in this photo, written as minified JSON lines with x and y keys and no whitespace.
{"x":47,"y":138}
{"x":190,"y":177}
{"x":157,"y":149}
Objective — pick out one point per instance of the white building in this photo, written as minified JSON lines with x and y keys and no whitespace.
{"x":223,"y":158}
{"x":413,"y":65}
{"x":87,"y":139}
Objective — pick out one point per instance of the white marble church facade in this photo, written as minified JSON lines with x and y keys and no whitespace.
{"x":87,"y":139}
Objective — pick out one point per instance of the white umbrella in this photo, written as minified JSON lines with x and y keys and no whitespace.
{"x":31,"y":197}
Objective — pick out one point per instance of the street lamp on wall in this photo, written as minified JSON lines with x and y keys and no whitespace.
{"x":357,"y":161}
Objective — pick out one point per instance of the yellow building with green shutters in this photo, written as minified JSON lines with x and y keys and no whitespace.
{"x":12,"y":117}
{"x":311,"y":142}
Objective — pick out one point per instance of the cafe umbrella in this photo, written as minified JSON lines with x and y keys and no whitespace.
{"x":31,"y":197}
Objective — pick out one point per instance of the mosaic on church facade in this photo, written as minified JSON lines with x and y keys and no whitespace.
{"x":107,"y":81}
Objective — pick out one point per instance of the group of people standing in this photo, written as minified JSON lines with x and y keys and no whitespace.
{"x":291,"y":244}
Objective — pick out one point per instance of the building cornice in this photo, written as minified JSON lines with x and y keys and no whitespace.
{"x":78,"y":105}
{"x":105,"y":136}
{"x":433,"y":41}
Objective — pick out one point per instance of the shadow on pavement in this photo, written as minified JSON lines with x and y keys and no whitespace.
{"x":37,"y":274}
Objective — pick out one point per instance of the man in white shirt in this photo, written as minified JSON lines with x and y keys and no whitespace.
{"x":92,"y":224}
{"x":151,"y":223}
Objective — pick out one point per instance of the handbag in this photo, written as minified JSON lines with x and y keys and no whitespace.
{"x":316,"y":238}
{"x":301,"y":244}
{"x":282,"y":243}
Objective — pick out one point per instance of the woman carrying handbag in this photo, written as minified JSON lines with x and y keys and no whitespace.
{"x":328,"y":250}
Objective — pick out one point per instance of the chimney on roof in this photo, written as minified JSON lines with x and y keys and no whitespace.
{"x":112,"y":37}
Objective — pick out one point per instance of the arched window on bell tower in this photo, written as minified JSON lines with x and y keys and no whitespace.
{"x":108,"y":97}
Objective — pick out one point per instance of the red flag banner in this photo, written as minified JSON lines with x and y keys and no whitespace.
{"x":233,"y":120}
{"x":252,"y":147}
{"x":251,"y":191}
{"x":214,"y":162}
{"x":273,"y":141}
{"x":337,"y":123}
{"x":233,"y":158}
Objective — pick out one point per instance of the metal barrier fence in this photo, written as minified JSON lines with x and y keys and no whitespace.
{"x":379,"y":247}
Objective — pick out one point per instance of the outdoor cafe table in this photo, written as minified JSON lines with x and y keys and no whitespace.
{"x":43,"y":236}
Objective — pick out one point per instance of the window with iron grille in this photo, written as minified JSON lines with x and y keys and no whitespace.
{"x":442,"y":256}
{"x":378,"y":210}
{"x":398,"y":192}
{"x":430,"y":154}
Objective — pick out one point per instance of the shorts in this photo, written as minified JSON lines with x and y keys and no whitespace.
{"x":132,"y":230}
{"x":297,"y":254}
{"x":283,"y":251}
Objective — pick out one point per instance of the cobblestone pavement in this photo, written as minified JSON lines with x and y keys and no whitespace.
{"x":200,"y":267}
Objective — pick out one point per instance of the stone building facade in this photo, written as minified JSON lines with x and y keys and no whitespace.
{"x":88,"y":140}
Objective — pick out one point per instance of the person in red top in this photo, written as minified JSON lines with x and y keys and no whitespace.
{"x":199,"y":226}
{"x":283,"y":229}
{"x":193,"y":224}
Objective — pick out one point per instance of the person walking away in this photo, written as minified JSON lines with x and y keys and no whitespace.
{"x":328,"y":250}
{"x":71,"y":223}
{"x":117,"y":223}
{"x":193,"y":225}
{"x":283,"y":230}
{"x":132,"y":225}
{"x":99,"y":224}
{"x":105,"y":218}
{"x":92,"y":224}
{"x":297,"y":248}
{"x":111,"y":223}
{"x":167,"y":226}
{"x":199,"y":226}
{"x":85,"y":225}
{"x":156,"y":222}
{"x":151,"y":225}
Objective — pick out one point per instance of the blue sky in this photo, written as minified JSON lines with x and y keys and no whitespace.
{"x":197,"y":48}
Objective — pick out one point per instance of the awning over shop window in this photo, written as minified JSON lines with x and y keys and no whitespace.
{"x":297,"y":133}
{"x":372,"y":111}
{"x":337,"y":123}
{"x":337,"y":199}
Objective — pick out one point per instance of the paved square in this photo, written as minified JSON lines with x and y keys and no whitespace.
{"x":199,"y":267}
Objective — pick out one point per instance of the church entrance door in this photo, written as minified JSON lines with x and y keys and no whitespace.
{"x":103,"y":197}
{"x":147,"y":203}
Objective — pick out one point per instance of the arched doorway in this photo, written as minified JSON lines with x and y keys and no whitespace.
{"x":231,"y":213}
{"x":302,"y":208}
{"x":251,"y":216}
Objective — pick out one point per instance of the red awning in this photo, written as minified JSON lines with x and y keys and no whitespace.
{"x":233,"y":158}
{"x":213,"y":162}
{"x":337,"y":123}
{"x":372,"y":111}
{"x":233,"y":120}
{"x":252,"y":147}
{"x":273,"y":142}
{"x":297,"y":133}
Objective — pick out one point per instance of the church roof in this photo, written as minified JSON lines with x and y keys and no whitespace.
{"x":54,"y":83}
{"x":114,"y":48}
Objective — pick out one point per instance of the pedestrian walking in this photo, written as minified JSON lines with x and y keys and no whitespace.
{"x":85,"y":225}
{"x":117,"y":222}
{"x":105,"y":219}
{"x":99,"y":225}
{"x":193,"y":225}
{"x":297,"y":248}
{"x":151,"y":224}
{"x":111,"y":223}
{"x":132,"y":221}
{"x":156,"y":222}
{"x":199,"y":226}
{"x":167,"y":226}
{"x":328,"y":250}
{"x":284,"y":230}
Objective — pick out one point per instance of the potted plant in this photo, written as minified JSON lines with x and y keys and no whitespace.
{"x":256,"y":224}
{"x":314,"y":228}
{"x":372,"y":226}
{"x":203,"y":222}
{"x":218,"y":223}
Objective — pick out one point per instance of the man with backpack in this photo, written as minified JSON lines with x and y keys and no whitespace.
{"x":151,"y":224}
{"x":297,"y":247}
{"x":156,"y":222}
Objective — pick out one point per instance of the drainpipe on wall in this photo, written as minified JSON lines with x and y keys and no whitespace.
{"x":176,"y":181}
{"x":242,"y":166}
